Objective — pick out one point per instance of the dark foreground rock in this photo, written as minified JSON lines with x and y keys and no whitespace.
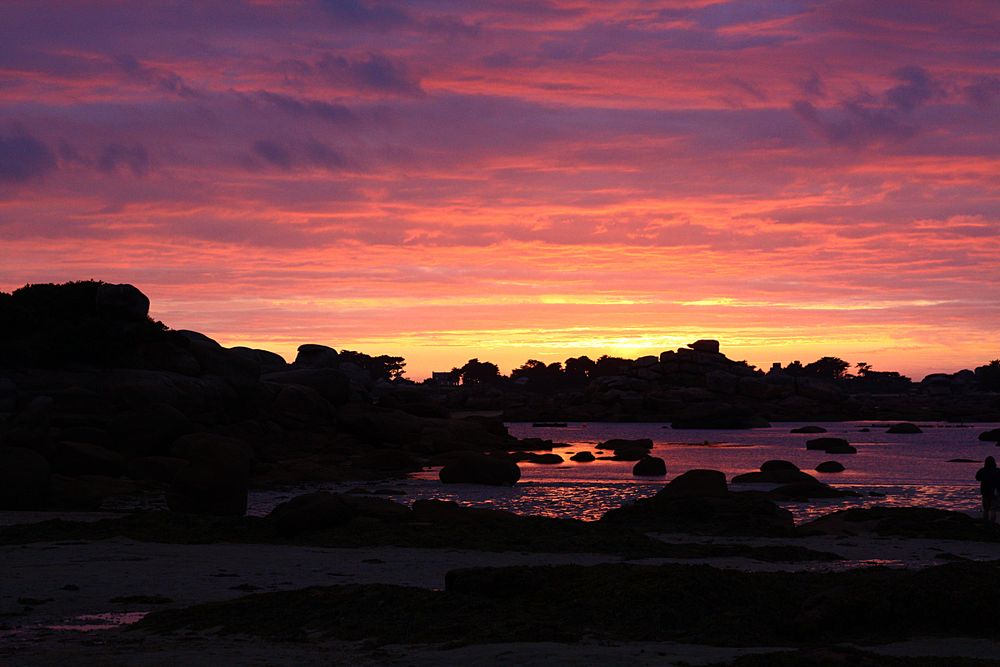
{"x":696,"y":604}
{"x":923,"y":522}
{"x":830,"y":466}
{"x":992,"y":435}
{"x":698,"y":502}
{"x":24,"y":479}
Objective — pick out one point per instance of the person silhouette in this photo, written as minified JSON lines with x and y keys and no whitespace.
{"x":989,"y":485}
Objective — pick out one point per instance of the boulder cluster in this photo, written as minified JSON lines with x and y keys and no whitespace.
{"x":97,"y":401}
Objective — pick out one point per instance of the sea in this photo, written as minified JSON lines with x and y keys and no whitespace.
{"x":935,"y":468}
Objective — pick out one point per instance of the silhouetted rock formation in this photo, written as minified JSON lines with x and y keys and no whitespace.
{"x":699,"y":502}
{"x":472,"y":468}
{"x":830,"y":466}
{"x":650,"y":466}
{"x":905,"y":428}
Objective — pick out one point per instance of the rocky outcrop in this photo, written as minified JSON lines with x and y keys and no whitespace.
{"x":990,"y":436}
{"x":582,"y":457}
{"x":474,"y":468}
{"x":25,"y":477}
{"x":215,"y":479}
{"x":697,"y":503}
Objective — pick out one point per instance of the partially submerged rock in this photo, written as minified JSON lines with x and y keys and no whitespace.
{"x":650,"y":466}
{"x":831,"y":446}
{"x":698,"y":502}
{"x":474,"y":468}
{"x":830,"y":466}
{"x":808,"y":429}
{"x":905,"y":428}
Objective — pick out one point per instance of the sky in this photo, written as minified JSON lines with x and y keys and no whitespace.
{"x":508,"y":180}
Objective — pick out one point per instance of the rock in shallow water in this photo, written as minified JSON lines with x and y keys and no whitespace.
{"x":473,"y":468}
{"x":650,"y":466}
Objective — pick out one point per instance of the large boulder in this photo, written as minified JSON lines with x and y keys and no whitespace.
{"x":650,"y":466}
{"x":705,"y":345}
{"x":990,"y":436}
{"x":331,"y":384}
{"x":697,"y":483}
{"x":163,"y":469}
{"x":830,"y":466}
{"x":582,"y":457}
{"x":312,"y":355}
{"x":474,"y":468}
{"x":122,"y":302}
{"x":311,"y":512}
{"x":627,"y":450}
{"x":150,"y":430}
{"x":217,"y":476}
{"x":25,"y":477}
{"x":777,"y":464}
{"x":83,"y":458}
{"x":699,"y":505}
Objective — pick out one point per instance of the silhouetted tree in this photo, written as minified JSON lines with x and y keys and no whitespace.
{"x":479,"y":372}
{"x":382,"y":367}
{"x":579,"y":369}
{"x":988,"y":376}
{"x":827,"y":368}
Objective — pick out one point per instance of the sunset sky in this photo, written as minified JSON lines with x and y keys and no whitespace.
{"x":509,"y":180}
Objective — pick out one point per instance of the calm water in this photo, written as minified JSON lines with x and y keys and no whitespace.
{"x":906,"y":469}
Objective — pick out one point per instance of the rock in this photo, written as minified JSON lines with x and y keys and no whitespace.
{"x":831,"y":446}
{"x":911,"y":522}
{"x":267,"y":361}
{"x":473,"y":468}
{"x":808,"y":429}
{"x":297,"y":407}
{"x":830,"y":466}
{"x":774,"y":477}
{"x":545,"y":459}
{"x":25,"y":477}
{"x":81,"y":458}
{"x":722,"y":382}
{"x":697,"y":483}
{"x":149,"y":430}
{"x":329,"y":383}
{"x":582,"y":457}
{"x":316,"y":356}
{"x":155,"y":468}
{"x":705,"y":345}
{"x":8,"y":395}
{"x":990,"y":436}
{"x":777,"y":464}
{"x":627,"y":450}
{"x":650,"y":466}
{"x":216,"y":479}
{"x":904,"y":428}
{"x":87,"y":492}
{"x":698,"y":502}
{"x":122,"y":302}
{"x":311,"y":512}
